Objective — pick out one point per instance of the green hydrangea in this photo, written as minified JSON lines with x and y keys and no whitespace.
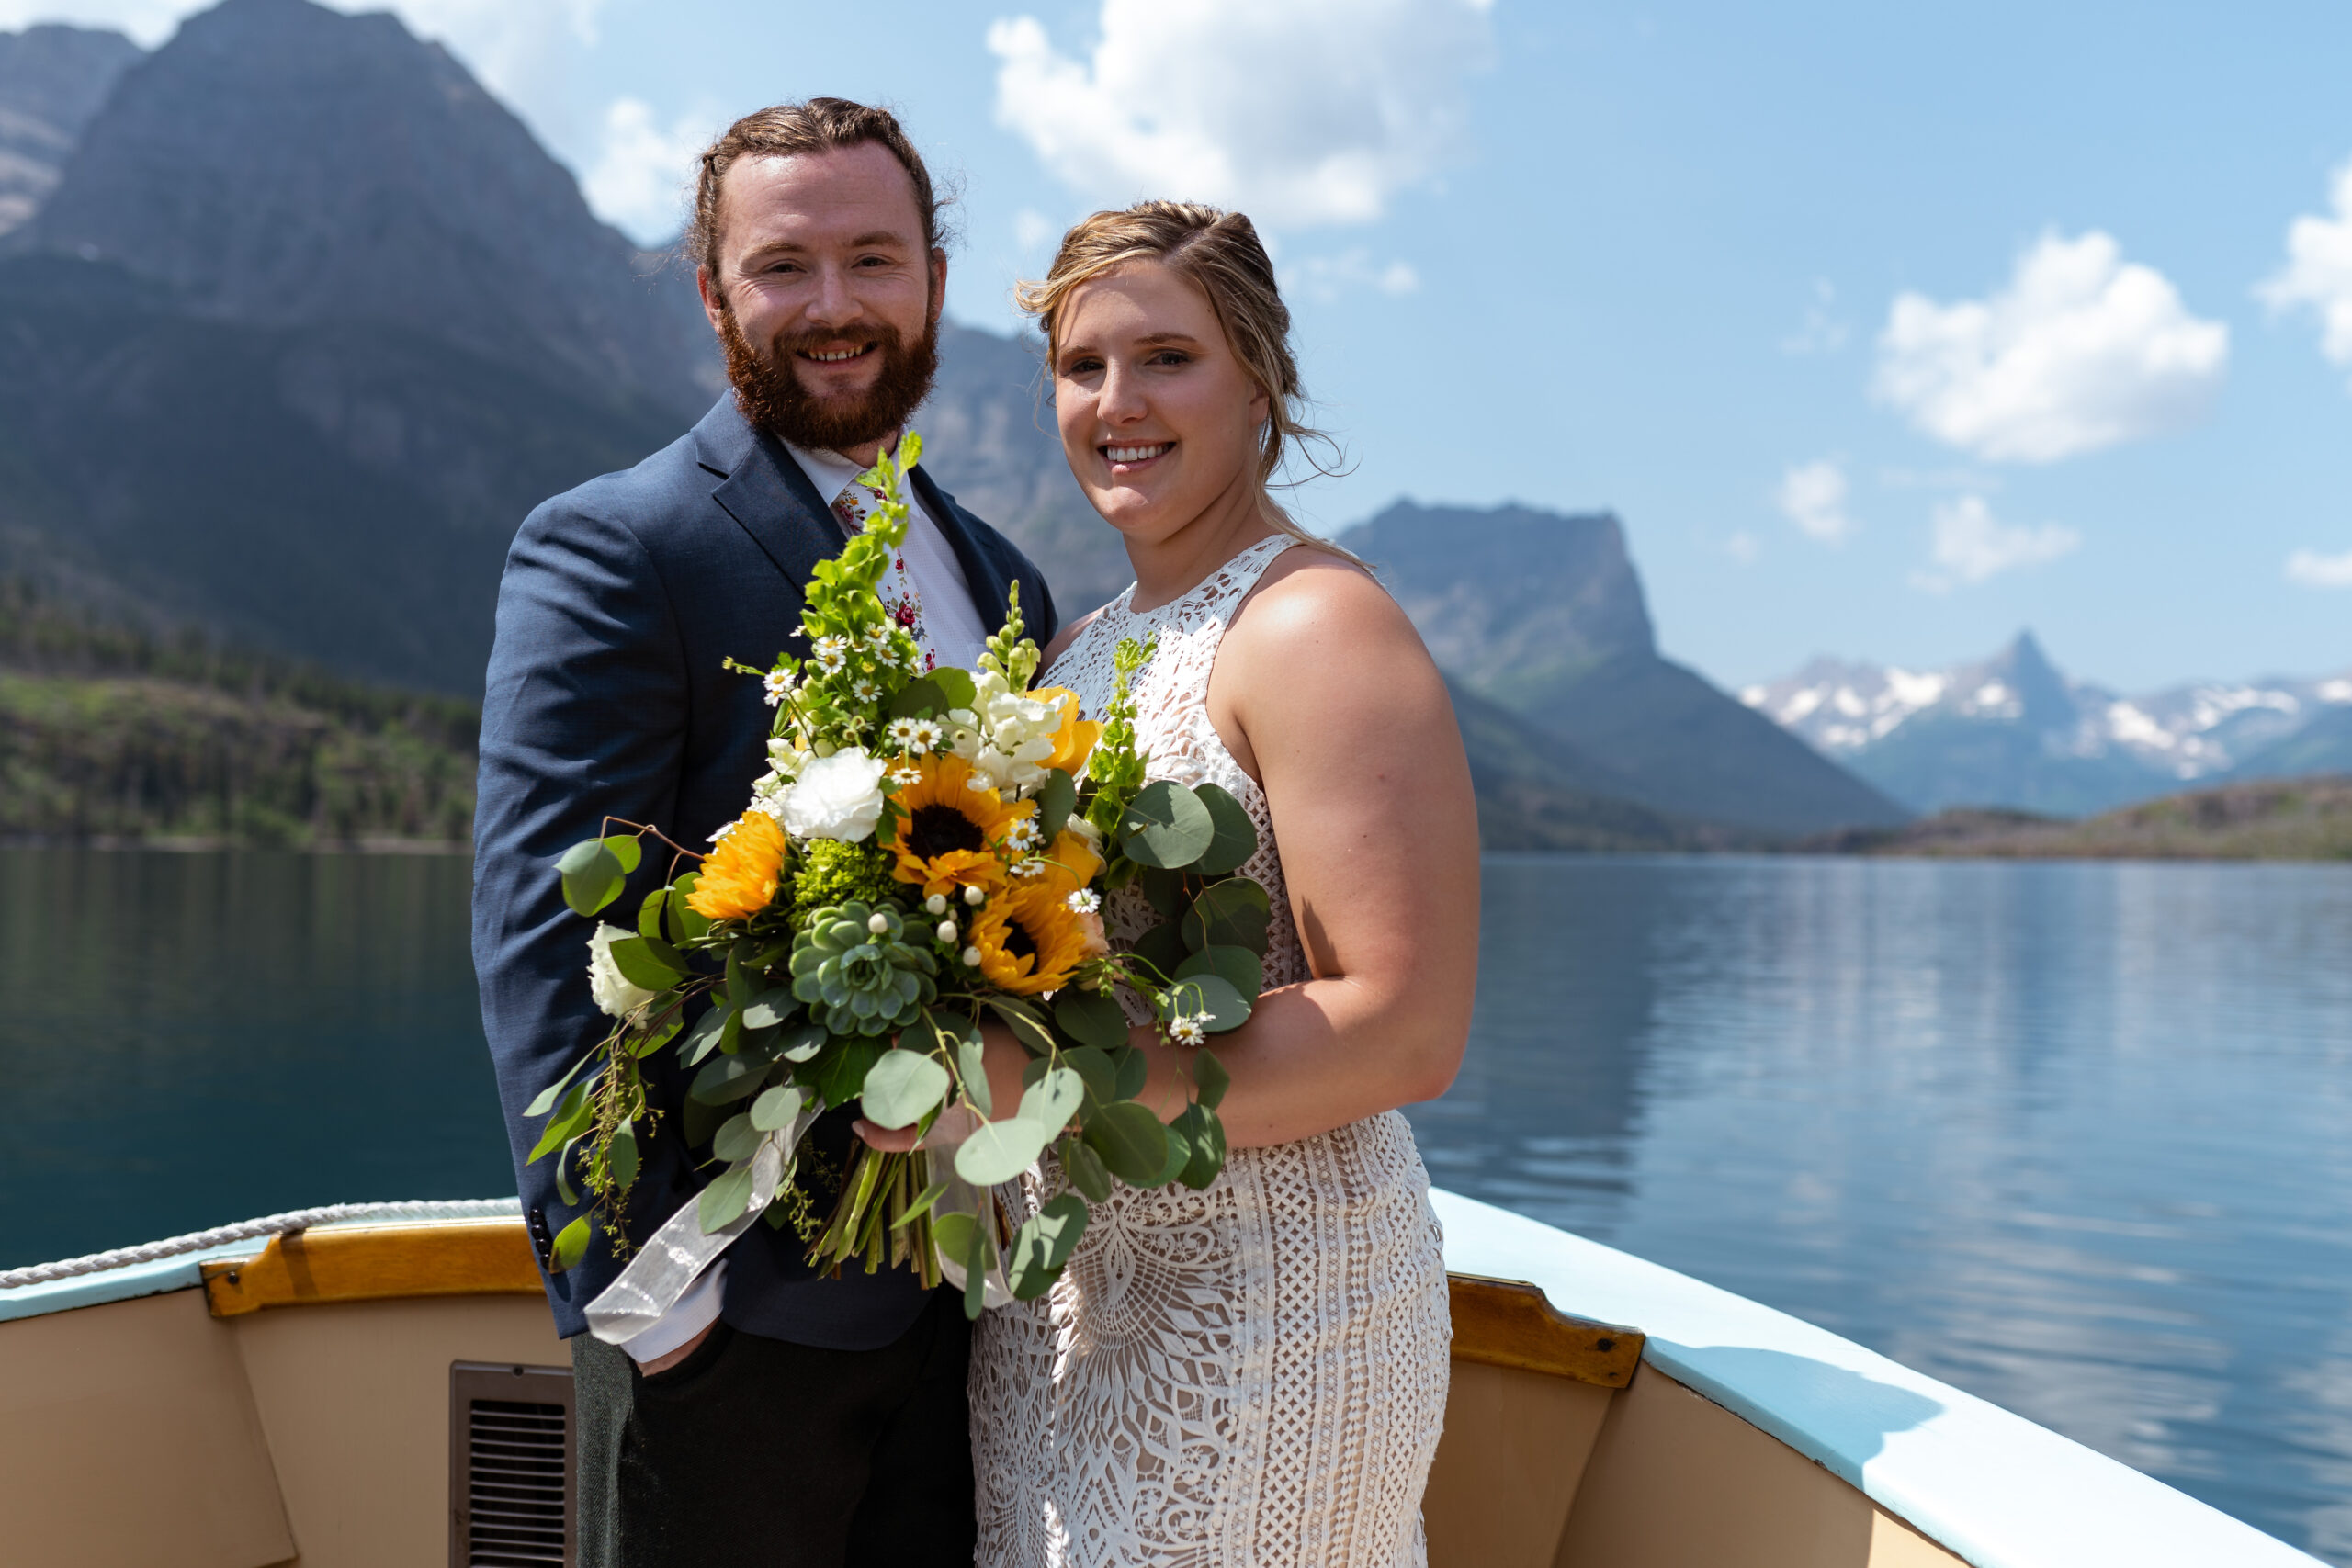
{"x":828,"y":872}
{"x":855,"y":973}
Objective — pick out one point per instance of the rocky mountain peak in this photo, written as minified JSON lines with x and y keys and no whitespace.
{"x":278,"y":163}
{"x":52,"y":79}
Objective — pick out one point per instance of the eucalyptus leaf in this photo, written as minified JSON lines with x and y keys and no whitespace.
{"x":698,"y":1121}
{"x":1231,"y":913}
{"x":1085,"y":1171}
{"x":546,"y":1097}
{"x":1180,"y":1154}
{"x":1241,"y":968}
{"x":952,"y":1231}
{"x":571,"y":1246}
{"x":775,"y":1108}
{"x":1134,"y":1069}
{"x":770,"y":1008}
{"x":903,"y":1087}
{"x":635,"y":958}
{"x":1053,"y":1100}
{"x":1210,"y":1080}
{"x":725,"y":1079}
{"x":624,"y":848}
{"x":1095,"y":1067}
{"x":563,"y":1188}
{"x":1043,"y":1245}
{"x":685,"y":924}
{"x":1091,"y":1018}
{"x":917,"y":698}
{"x":591,"y":876}
{"x":673,"y":1018}
{"x":723,"y":1201}
{"x":736,"y":1139}
{"x":624,"y":1154}
{"x":648,"y":913}
{"x":1236,"y":835}
{"x":571,"y":1115}
{"x":702,"y":1038}
{"x":999,"y":1151}
{"x":803,"y":1042}
{"x":1205,"y":1135}
{"x":1055,"y":798}
{"x":1162,"y":950}
{"x":976,"y":1272}
{"x":839,"y":1070}
{"x":1133,"y":1144}
{"x":1163,"y":890}
{"x":971,"y":1064}
{"x":1209,"y":999}
{"x":1166,"y":826}
{"x":957,"y":683}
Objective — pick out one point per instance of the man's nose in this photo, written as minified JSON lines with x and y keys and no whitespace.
{"x":834,"y":303}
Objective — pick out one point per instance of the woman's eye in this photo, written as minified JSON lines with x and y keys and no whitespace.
{"x":1172,"y":356}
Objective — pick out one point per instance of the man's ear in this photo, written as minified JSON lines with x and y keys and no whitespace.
{"x":938,"y":283}
{"x":712,"y":306}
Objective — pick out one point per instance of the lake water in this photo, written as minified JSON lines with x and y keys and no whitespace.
{"x":2071,"y":1137}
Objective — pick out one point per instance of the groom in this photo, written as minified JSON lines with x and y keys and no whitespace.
{"x":774,"y":1417}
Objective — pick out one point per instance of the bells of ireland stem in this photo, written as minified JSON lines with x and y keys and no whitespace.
{"x":849,"y":964}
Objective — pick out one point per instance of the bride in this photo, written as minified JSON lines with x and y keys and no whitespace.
{"x":1254,"y":1374}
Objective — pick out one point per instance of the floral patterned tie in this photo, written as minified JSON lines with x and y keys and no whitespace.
{"x":855,"y":503}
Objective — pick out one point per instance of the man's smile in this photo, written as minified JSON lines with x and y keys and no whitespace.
{"x":834,"y":356}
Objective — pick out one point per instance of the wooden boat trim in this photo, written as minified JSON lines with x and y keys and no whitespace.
{"x":1508,"y":1323}
{"x":1503,"y":1322}
{"x":377,"y":1263}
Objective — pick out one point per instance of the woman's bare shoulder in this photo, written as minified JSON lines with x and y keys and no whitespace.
{"x":1313,"y":599}
{"x":1068,"y":633}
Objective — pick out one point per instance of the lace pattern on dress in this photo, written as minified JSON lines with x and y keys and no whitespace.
{"x":1252,"y":1374}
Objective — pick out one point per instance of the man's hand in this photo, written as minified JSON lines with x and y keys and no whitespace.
{"x":662,"y":1363}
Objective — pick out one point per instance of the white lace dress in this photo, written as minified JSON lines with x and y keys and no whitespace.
{"x":1251,"y":1376}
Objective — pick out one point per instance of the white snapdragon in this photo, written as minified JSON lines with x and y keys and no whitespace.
{"x":838,"y":796}
{"x":615,"y":993}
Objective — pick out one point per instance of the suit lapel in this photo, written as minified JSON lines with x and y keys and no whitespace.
{"x":767,"y":495}
{"x":983,"y":574}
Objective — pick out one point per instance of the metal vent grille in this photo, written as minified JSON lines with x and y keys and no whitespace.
{"x":510,"y":1467}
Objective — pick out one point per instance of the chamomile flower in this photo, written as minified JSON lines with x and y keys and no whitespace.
{"x":1085,"y":901}
{"x":1191,"y":1029}
{"x":831,"y":653}
{"x":864,"y":690}
{"x":877,"y":637}
{"x":777,"y":685}
{"x":1023,"y":835}
{"x":905,"y":777}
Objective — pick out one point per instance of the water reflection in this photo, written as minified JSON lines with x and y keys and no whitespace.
{"x":193,"y":1039}
{"x":2068,"y":1136}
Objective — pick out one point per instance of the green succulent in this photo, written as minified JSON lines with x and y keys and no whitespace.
{"x":855,"y":973}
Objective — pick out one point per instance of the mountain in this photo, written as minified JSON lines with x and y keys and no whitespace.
{"x":1542,"y":615}
{"x":52,"y":79}
{"x":2300,"y":819}
{"x":2014,"y":731}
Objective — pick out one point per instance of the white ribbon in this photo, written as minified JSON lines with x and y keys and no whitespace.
{"x":664,"y":1267}
{"x":962,"y":1197}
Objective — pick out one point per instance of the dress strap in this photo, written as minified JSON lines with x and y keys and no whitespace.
{"x":1231,"y":583}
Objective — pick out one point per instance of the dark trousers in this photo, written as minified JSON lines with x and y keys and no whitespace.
{"x":755,"y":1453}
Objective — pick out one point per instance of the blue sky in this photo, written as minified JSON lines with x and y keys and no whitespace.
{"x":1649,"y":258}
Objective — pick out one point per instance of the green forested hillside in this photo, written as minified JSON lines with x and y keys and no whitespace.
{"x":111,"y":733}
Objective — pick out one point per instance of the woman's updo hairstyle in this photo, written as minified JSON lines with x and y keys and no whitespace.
{"x":1219,"y":254}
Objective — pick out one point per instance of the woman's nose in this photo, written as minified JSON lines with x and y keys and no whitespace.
{"x":1120,"y":401}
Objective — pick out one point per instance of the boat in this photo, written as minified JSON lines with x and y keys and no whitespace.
{"x":378,"y":1386}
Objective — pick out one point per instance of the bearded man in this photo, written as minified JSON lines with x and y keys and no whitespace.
{"x":773,"y":1417}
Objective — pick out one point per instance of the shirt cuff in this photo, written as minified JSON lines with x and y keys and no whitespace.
{"x":695,"y":1311}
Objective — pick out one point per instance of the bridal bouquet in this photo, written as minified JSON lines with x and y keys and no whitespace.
{"x":928,"y":848}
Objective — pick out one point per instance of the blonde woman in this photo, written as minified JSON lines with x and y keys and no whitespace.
{"x":1254,"y":1374}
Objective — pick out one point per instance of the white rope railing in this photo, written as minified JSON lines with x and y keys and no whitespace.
{"x":246,"y":1230}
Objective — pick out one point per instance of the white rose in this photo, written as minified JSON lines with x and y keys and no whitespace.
{"x":838,"y":796}
{"x":615,"y":992}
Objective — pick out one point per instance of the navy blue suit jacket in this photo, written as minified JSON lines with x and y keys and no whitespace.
{"x":606,"y":695}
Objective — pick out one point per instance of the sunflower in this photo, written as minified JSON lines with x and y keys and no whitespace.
{"x":739,"y":877}
{"x":1030,"y":939}
{"x":946,"y":833}
{"x":1070,"y":861}
{"x":1074,"y":741}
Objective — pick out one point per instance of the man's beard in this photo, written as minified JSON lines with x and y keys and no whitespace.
{"x":769,"y":393}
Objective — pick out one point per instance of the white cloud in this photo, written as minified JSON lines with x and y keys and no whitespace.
{"x":1813,"y":496}
{"x":1823,"y":330}
{"x":1743,"y":547}
{"x":2081,"y":351}
{"x":641,"y":179}
{"x":1298,"y":112}
{"x":1325,"y":278}
{"x":2313,"y":570}
{"x":1032,"y":229}
{"x":1972,"y":544}
{"x":2319,"y":271}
